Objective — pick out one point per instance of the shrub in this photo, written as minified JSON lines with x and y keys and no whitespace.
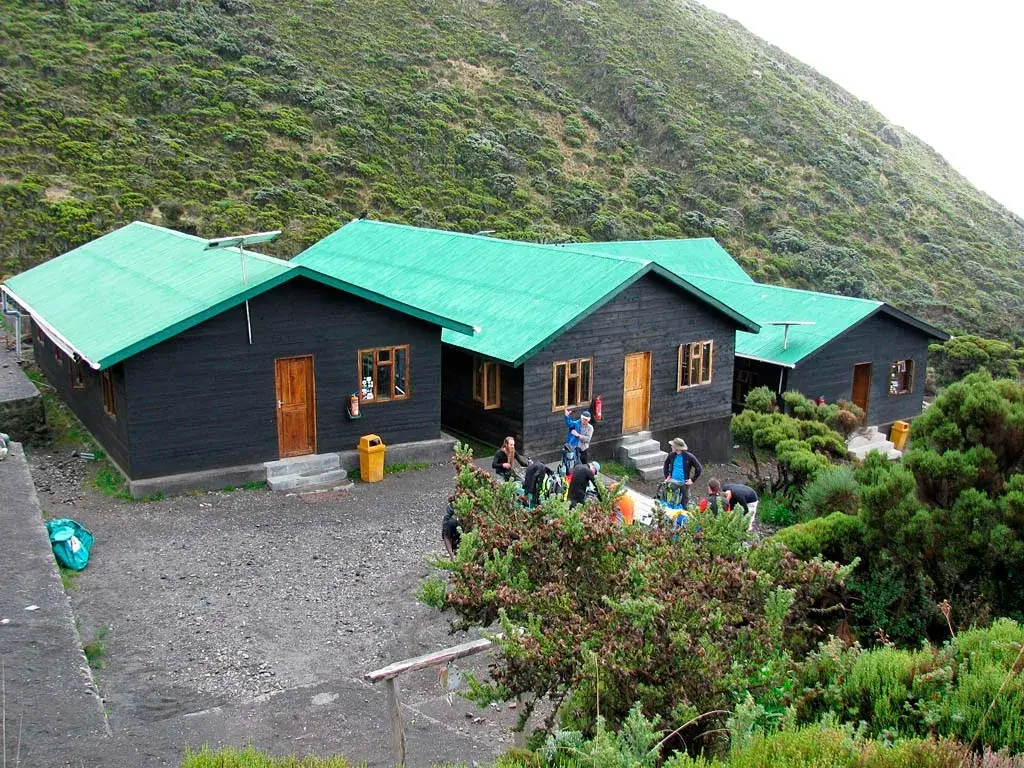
{"x":838,"y":536}
{"x":832,"y":490}
{"x":669,"y":619}
{"x":760,"y":400}
{"x":909,"y":693}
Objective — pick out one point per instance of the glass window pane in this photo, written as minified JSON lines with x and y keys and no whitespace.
{"x":366,"y":376}
{"x":478,"y":378}
{"x":384,"y":391}
{"x":383,"y":355}
{"x":558,"y":385}
{"x":491,"y":394}
{"x":705,"y":370}
{"x":573,"y":391}
{"x":401,"y":373}
{"x":695,"y":365}
{"x":585,"y":380}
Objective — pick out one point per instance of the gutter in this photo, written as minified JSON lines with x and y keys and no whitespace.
{"x":55,"y":336}
{"x":766,"y":360}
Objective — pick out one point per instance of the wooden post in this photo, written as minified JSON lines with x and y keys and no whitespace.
{"x":397,"y":726}
{"x":388,"y":674}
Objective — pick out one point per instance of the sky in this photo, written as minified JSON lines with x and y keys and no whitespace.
{"x":950,"y":73}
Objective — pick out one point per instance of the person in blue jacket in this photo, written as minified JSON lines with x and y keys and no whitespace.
{"x":581,"y":431}
{"x":682,"y":468}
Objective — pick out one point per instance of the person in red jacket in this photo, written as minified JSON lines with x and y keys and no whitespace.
{"x":715,"y":501}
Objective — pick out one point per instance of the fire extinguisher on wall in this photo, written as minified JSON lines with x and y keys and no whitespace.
{"x":596,"y":408}
{"x":353,"y":407}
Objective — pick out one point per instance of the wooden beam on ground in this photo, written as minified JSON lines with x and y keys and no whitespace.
{"x":428,"y":660}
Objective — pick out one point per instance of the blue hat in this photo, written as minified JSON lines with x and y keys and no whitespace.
{"x":585,"y":414}
{"x":595,"y":466}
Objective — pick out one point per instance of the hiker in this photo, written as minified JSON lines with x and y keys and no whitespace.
{"x":715,"y":500}
{"x":533,"y":481}
{"x":739,"y":495}
{"x":624,"y":508}
{"x":583,"y":477}
{"x":504,"y":458}
{"x":450,"y":529}
{"x":678,"y":467}
{"x":581,"y":431}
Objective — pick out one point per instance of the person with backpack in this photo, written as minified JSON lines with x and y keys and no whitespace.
{"x":584,"y":476}
{"x":715,"y":500}
{"x":681,"y":469}
{"x":533,"y":481}
{"x":581,"y":431}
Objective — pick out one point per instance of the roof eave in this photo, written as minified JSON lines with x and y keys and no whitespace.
{"x":377,"y":298}
{"x":766,"y":360}
{"x":927,"y":328}
{"x":745,"y":323}
{"x":52,"y":333}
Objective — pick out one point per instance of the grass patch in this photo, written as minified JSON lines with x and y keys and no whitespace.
{"x":256,"y":485}
{"x":96,"y":649}
{"x":615,"y":469}
{"x":250,"y":758}
{"x":772,"y":511}
{"x":392,"y":469}
{"x":110,"y":482}
{"x":68,"y":578}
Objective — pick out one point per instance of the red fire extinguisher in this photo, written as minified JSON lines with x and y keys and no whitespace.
{"x":597,"y":408}
{"x":353,"y":407}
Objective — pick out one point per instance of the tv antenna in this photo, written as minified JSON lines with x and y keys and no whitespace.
{"x":239,"y":242}
{"x":786,"y":324}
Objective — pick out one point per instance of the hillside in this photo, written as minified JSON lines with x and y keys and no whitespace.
{"x":540,"y":119}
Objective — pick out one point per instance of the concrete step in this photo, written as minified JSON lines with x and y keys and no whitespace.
{"x":640,"y":447}
{"x":645,"y":460}
{"x":636,"y":437}
{"x":882,"y":446}
{"x":894,"y":454}
{"x":301,"y":465}
{"x":308,"y":481}
{"x":651,"y":473}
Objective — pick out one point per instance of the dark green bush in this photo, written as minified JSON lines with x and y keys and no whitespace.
{"x":838,"y":536}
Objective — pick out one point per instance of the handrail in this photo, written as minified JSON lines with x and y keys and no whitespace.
{"x":388,"y":674}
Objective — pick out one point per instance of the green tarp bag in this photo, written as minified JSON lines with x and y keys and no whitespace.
{"x":71,"y":543}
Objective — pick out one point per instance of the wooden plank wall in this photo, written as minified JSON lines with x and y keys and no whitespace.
{"x":462,"y":413}
{"x":880,"y":340}
{"x":650,"y":315}
{"x":87,"y":403}
{"x":206,"y":398}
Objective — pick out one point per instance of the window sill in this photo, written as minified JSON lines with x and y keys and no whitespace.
{"x":693,"y":386}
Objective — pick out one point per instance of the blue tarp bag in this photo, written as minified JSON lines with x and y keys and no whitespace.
{"x":71,"y":543}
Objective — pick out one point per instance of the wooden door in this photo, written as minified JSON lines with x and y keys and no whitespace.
{"x":296,"y":406}
{"x":636,"y":392}
{"x":862,"y":385}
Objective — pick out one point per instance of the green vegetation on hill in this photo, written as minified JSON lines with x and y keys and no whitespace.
{"x":540,"y":119}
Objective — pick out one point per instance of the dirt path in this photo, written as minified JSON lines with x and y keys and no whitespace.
{"x":250,"y":617}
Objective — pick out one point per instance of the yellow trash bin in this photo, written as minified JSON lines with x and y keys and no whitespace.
{"x":371,"y":458}
{"x":898,"y":434}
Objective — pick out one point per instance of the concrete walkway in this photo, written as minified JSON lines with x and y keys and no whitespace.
{"x":51,"y":711}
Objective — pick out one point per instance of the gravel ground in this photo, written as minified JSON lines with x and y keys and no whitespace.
{"x":223,"y":599}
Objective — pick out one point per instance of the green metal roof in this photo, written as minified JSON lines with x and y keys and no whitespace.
{"x":701,"y":256}
{"x":139,"y":285}
{"x":517,"y":295}
{"x":830,"y":316}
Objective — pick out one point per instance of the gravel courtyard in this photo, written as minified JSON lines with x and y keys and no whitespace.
{"x":221,"y":608}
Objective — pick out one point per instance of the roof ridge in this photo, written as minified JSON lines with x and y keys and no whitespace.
{"x":168,"y":230}
{"x":875,"y":302}
{"x":653,"y":240}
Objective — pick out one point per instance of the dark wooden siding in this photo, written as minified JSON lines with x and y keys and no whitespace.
{"x":207,"y":399}
{"x":87,"y":403}
{"x":650,"y":315}
{"x":462,"y":413}
{"x":880,"y":340}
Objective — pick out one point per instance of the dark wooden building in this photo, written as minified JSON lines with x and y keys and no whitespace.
{"x":554,"y":328}
{"x":176,"y":363}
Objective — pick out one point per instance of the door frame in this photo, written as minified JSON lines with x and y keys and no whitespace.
{"x":310,"y":408}
{"x":647,"y":392}
{"x":853,"y":384}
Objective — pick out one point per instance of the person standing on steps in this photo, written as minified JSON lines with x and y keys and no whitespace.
{"x":581,"y":431}
{"x":681,"y":468}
